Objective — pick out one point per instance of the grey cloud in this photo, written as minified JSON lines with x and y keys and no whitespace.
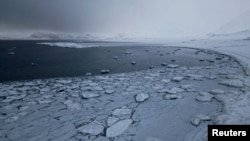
{"x":145,"y":17}
{"x":37,"y":14}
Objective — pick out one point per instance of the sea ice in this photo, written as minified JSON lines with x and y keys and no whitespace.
{"x":93,"y":128}
{"x":118,"y":128}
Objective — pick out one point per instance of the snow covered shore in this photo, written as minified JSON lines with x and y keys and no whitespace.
{"x":236,"y":106}
{"x":236,"y":45}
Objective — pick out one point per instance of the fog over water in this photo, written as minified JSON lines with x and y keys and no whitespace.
{"x":144,"y":18}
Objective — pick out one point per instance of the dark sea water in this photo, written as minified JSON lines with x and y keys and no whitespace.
{"x":23,"y":60}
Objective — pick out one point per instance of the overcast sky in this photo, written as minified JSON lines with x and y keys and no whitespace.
{"x":144,"y":17}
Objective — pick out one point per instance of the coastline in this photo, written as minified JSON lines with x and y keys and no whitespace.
{"x":31,"y":61}
{"x":78,"y":101}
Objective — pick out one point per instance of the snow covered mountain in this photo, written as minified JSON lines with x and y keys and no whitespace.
{"x":240,"y":23}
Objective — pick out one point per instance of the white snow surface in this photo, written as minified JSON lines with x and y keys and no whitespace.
{"x":69,"y":44}
{"x":80,"y":44}
{"x":236,"y":45}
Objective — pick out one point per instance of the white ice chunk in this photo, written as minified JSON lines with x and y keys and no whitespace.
{"x":118,"y":128}
{"x":232,"y":83}
{"x":89,"y":95}
{"x":172,"y":97}
{"x":217,"y":91}
{"x":141,"y":97}
{"x":112,"y":120}
{"x":177,"y":78}
{"x":93,"y":128}
{"x":173,"y":66}
{"x":175,"y":90}
{"x":122,"y":111}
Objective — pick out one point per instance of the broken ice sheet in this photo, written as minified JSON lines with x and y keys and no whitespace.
{"x":232,"y":83}
{"x":122,"y":111}
{"x":93,"y":128}
{"x":118,"y":128}
{"x":72,"y":105}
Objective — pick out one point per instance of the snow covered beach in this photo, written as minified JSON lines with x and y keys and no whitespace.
{"x":171,"y":102}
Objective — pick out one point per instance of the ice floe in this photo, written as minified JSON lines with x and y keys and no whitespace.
{"x":118,"y":128}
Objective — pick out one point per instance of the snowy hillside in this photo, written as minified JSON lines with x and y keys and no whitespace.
{"x":239,"y":23}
